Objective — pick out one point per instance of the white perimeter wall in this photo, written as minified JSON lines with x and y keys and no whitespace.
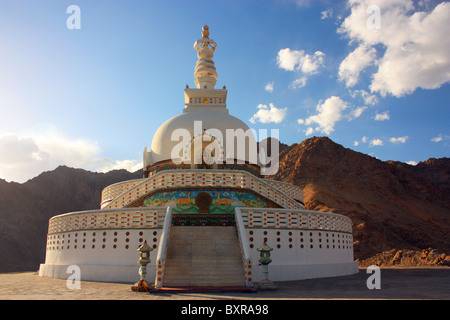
{"x":111,"y":255}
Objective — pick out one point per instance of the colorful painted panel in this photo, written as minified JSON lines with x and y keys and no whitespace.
{"x":205,"y":201}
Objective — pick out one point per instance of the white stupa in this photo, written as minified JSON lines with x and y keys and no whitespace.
{"x":204,"y":207}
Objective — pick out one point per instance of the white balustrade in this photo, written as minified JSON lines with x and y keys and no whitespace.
{"x":293,"y":191}
{"x":135,"y":218}
{"x":108,"y":219}
{"x":211,"y":179}
{"x":114,"y":190}
{"x":295,"y":219}
{"x":201,"y":178}
{"x":162,"y":250}
{"x":245,"y":248}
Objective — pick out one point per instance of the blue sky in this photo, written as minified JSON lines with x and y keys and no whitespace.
{"x":93,"y":97}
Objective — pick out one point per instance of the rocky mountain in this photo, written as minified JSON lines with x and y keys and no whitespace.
{"x":26,"y":208}
{"x":400,"y":213}
{"x":393,"y":205}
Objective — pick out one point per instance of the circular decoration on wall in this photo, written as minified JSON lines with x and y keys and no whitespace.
{"x":203,"y":200}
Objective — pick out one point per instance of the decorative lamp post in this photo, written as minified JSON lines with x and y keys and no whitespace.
{"x":144,"y":259}
{"x":264,"y":260}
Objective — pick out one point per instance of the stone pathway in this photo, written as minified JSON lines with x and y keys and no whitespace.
{"x":412,"y":283}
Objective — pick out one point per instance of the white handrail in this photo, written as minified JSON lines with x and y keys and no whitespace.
{"x":245,"y":247}
{"x":162,"y":249}
{"x":293,"y":191}
{"x":124,"y":185}
{"x":105,"y":219}
{"x":295,"y":219}
{"x":272,"y":192}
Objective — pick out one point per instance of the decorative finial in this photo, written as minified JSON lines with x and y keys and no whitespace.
{"x":205,"y":72}
{"x":205,"y":31}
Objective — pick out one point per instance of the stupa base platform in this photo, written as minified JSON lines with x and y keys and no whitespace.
{"x":128,"y":274}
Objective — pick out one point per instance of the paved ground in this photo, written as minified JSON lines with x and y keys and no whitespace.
{"x":412,"y":283}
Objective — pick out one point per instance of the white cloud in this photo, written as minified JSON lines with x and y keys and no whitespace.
{"x":356,"y":113}
{"x":439,"y":138}
{"x":376,"y":142}
{"x":382,"y":116}
{"x":301,"y":62}
{"x":299,"y":83}
{"x":298,"y":60}
{"x":363,"y":140}
{"x":399,"y":139}
{"x":355,"y":62}
{"x":309,"y":131}
{"x":23,"y":157}
{"x":269,"y":87}
{"x":412,"y":163}
{"x":415,"y":46}
{"x":311,"y":63}
{"x":328,"y":113}
{"x":130,"y":165}
{"x":326,"y":14}
{"x":290,"y":60}
{"x":269,"y":114}
{"x":369,"y":99}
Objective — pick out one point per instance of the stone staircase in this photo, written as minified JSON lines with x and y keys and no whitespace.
{"x":203,"y":257}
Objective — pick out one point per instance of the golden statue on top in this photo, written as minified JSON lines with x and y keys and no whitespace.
{"x":205,"y":41}
{"x":205,"y":72}
{"x":205,"y":31}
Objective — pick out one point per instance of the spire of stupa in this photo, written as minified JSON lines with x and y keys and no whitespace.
{"x":205,"y":72}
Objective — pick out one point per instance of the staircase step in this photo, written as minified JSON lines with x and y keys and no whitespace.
{"x":201,"y":271}
{"x":203,"y":256}
{"x":200,"y":276}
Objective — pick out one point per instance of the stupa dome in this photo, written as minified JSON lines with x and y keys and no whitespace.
{"x":206,"y":120}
